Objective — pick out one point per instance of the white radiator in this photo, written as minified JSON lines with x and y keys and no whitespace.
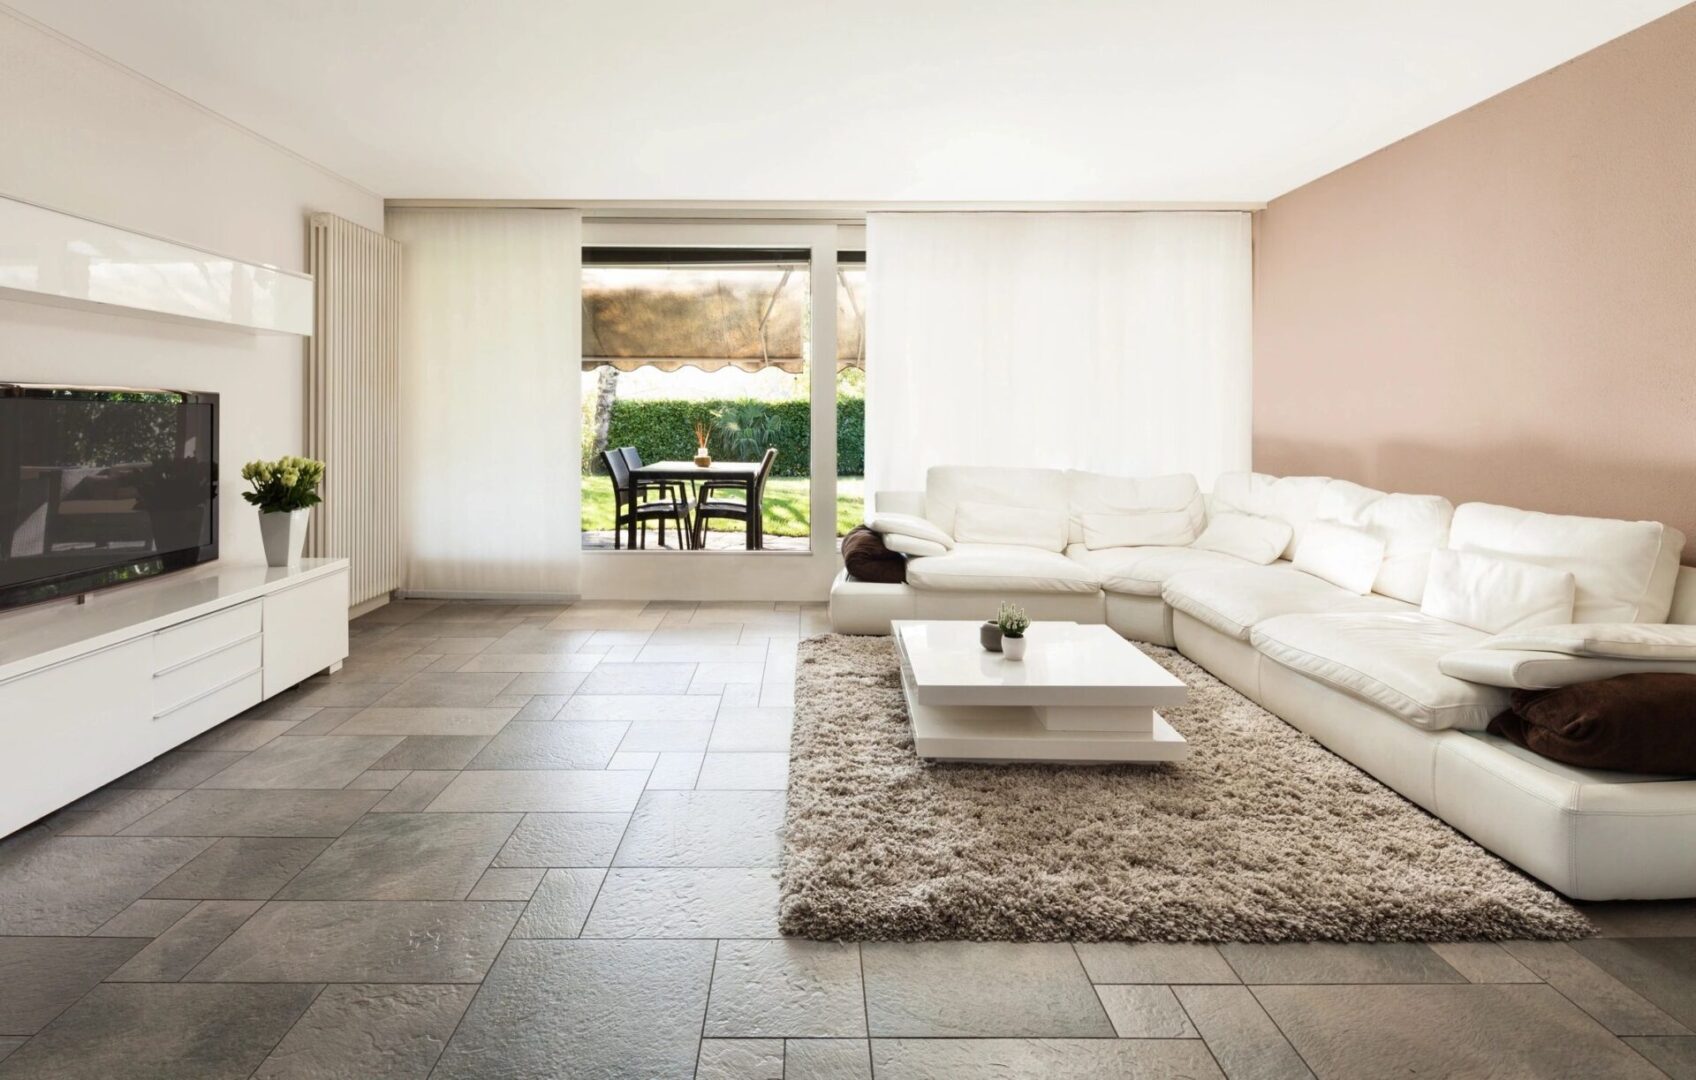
{"x":353,"y":402}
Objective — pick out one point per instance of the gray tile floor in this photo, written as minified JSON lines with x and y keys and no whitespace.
{"x":542,"y":842}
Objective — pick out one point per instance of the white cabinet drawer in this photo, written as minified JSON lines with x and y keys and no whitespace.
{"x":204,"y":674}
{"x":204,"y":713}
{"x":204,"y":635}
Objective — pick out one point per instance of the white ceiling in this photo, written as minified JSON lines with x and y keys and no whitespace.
{"x":846,"y":101}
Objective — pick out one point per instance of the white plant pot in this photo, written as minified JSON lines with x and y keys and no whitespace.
{"x":284,"y":534}
{"x":1013,"y":648}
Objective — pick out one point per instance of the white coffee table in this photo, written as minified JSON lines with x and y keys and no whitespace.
{"x":1082,"y":694}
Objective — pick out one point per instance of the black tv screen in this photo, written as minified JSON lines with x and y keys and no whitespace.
{"x":100,"y":486}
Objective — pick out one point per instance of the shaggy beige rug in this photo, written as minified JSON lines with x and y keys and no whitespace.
{"x":1262,"y":835}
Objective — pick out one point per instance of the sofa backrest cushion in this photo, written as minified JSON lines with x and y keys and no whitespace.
{"x":1493,"y":594}
{"x":996,"y":523}
{"x":1099,"y":497}
{"x":1260,"y":540}
{"x":947,"y":486}
{"x":1291,"y":499}
{"x":1411,"y":526}
{"x":1347,"y":557}
{"x":1623,"y":571}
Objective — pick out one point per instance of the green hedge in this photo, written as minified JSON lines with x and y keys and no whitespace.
{"x":663,"y":430}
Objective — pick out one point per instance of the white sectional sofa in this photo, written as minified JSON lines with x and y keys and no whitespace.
{"x":1400,"y":692}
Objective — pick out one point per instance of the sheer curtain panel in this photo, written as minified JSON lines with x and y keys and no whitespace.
{"x":1115,"y":342}
{"x":490,"y":356}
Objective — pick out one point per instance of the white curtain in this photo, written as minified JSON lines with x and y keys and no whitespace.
{"x":489,"y":446}
{"x":1115,"y":342}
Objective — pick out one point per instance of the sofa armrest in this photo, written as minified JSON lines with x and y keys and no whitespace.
{"x":1528,"y":670}
{"x":897,"y":502}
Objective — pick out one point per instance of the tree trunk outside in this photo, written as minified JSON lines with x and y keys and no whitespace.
{"x":606,"y":391}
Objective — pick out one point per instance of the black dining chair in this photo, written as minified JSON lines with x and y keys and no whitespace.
{"x":628,"y":507}
{"x":665,"y":489}
{"x":748,"y":511}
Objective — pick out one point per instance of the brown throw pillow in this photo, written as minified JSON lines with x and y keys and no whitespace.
{"x":869,"y":560}
{"x":1632,"y":723}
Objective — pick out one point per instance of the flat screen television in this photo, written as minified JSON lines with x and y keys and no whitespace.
{"x":103,"y":485}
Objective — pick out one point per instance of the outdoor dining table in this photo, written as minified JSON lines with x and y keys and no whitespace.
{"x":725,"y":473}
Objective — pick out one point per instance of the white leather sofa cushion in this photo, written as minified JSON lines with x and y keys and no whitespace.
{"x":1347,"y":557}
{"x":895,"y":501}
{"x":1624,"y":641}
{"x":1141,"y":571}
{"x":1493,"y":594}
{"x":1389,"y":659}
{"x":1100,"y":498}
{"x":887,"y":524}
{"x":1292,"y":499}
{"x":1529,"y":669}
{"x":1259,"y":540}
{"x":1001,"y":568}
{"x":947,"y":486}
{"x":912,"y":545}
{"x":994,"y":523}
{"x":1233,"y":601}
{"x":1411,"y":526}
{"x":1623,"y":571}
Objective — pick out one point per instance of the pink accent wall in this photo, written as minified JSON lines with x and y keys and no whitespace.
{"x":1501,"y":307}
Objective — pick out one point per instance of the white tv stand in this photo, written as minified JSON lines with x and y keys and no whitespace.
{"x":91,"y":691}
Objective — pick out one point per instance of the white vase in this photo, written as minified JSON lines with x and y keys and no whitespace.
{"x":1013,"y":648}
{"x":284,"y":533}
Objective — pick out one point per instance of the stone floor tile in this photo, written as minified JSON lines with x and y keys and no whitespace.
{"x":1154,"y":962}
{"x":1661,"y":969}
{"x":343,"y":693}
{"x":428,"y":941}
{"x":1145,"y":1012}
{"x":743,"y":729}
{"x":1051,"y":1059}
{"x":579,"y":791}
{"x":529,"y":1016}
{"x":1335,"y":962}
{"x":118,"y":809}
{"x":174,"y":953}
{"x":551,"y":746}
{"x":444,"y":689}
{"x":618,"y":637}
{"x":827,"y":1059}
{"x":457,"y":645}
{"x":686,"y":903}
{"x":416,"y":792}
{"x":701,"y":653}
{"x":1621,"y":1009}
{"x":740,"y":1059}
{"x":240,"y":734}
{"x":1675,"y":1056}
{"x":1643,"y":918}
{"x":179,"y":769}
{"x":1383,"y":1032}
{"x":377,"y":779}
{"x":504,"y":883}
{"x":41,"y":977}
{"x":722,"y":674}
{"x":145,"y":918}
{"x":549,"y":683}
{"x":665,"y":734}
{"x":326,"y":720}
{"x":675,"y":771}
{"x":726,"y":634}
{"x":1243,"y":1039}
{"x":564,"y":840}
{"x":460,"y":721}
{"x":561,"y":904}
{"x":405,"y":856}
{"x":433,"y":752}
{"x":542,"y":707}
{"x":369,"y":1031}
{"x":972,"y":989}
{"x":10,"y":1043}
{"x":633,"y":760}
{"x":209,"y":812}
{"x":612,"y":678}
{"x":529,"y":663}
{"x":74,"y":884}
{"x":162,"y":1031}
{"x":241,"y":868}
{"x":787,"y":988}
{"x":704,"y":828}
{"x":299,"y":762}
{"x":632,"y":708}
{"x":1483,"y":962}
{"x":744,"y":772}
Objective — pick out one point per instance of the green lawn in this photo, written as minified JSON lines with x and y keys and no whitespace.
{"x":785,"y":506}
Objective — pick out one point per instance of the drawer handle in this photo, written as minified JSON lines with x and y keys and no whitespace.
{"x":214,"y":651}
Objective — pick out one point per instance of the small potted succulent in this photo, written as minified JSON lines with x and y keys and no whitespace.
{"x":1012,"y":623}
{"x":285,"y":491}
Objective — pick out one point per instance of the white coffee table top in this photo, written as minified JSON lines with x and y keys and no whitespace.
{"x":1065,"y":664}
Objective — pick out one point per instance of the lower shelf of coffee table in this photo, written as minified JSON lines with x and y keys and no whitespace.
{"x":989,"y":733}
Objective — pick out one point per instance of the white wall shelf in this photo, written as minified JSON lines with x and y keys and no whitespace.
{"x":58,"y":258}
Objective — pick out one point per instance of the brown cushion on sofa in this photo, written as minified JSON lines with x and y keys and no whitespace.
{"x":868,"y":560}
{"x":1633,"y":723}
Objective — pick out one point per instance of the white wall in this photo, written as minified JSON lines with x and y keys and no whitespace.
{"x":87,"y":137}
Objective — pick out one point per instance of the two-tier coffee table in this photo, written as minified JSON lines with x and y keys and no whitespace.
{"x":1082,"y":695}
